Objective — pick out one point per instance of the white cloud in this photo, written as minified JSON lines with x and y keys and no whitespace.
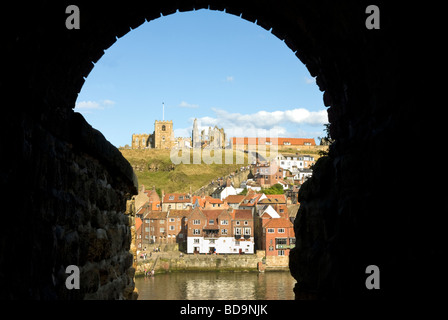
{"x":89,"y":106}
{"x":184,"y":104}
{"x":263,"y":123}
{"x":310,"y":80}
{"x":229,"y":78}
{"x":108,"y":102}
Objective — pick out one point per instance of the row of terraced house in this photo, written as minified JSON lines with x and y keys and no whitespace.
{"x":237,"y":224}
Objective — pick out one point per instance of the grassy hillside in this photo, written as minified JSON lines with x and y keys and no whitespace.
{"x":157,"y":169}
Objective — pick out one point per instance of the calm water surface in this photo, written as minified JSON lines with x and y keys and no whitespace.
{"x":217,"y":286}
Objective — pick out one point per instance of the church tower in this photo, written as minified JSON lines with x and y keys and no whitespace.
{"x":163,"y":134}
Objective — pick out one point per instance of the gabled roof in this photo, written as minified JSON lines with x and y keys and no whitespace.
{"x":234,"y":198}
{"x":196,"y":210}
{"x":271,"y":212}
{"x":152,"y":214}
{"x":179,"y":213}
{"x":212,"y":215}
{"x":175,"y":197}
{"x":152,"y":195}
{"x":279,"y":223}
{"x":242,"y":214}
{"x":281,"y":197}
{"x":138,"y":223}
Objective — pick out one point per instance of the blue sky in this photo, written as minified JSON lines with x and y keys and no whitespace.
{"x":205,"y":64}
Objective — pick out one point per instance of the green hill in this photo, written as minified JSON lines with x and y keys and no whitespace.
{"x":154,"y":167}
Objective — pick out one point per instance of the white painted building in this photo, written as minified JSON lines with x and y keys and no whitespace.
{"x":220,"y":231}
{"x":289,"y":161}
{"x":221,"y":245}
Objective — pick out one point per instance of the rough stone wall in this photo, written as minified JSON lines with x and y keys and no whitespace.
{"x":73,"y":213}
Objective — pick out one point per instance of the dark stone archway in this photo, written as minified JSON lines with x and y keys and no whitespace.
{"x":366,"y":204}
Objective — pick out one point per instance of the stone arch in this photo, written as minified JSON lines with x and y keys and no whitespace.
{"x":341,"y":226}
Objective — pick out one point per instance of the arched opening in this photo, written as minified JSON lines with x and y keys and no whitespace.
{"x":366,"y":79}
{"x":225,"y":62}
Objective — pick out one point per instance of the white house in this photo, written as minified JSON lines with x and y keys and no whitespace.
{"x":288,"y":161}
{"x":220,"y":231}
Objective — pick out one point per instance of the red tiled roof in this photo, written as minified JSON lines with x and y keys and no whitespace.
{"x":279,"y":223}
{"x":138,"y":223}
{"x":242,"y":214}
{"x":234,"y":198}
{"x":166,"y":198}
{"x":276,"y":196}
{"x":179,"y":213}
{"x":155,"y":214}
{"x":278,"y":141}
{"x":153,"y":196}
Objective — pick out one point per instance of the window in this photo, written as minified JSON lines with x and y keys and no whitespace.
{"x":136,"y":140}
{"x":292,"y":240}
{"x":162,"y":230}
{"x":271,"y":230}
{"x":196,"y":231}
{"x":162,"y":221}
{"x":196,"y":241}
{"x":224,"y":222}
{"x":271,"y":248}
{"x":171,"y":198}
{"x":237,"y":243}
{"x":281,"y":230}
{"x":146,"y":229}
{"x":172,"y":219}
{"x":224,"y":231}
{"x":247,"y":231}
{"x":281,"y":252}
{"x":246,"y":223}
{"x":163,"y":128}
{"x":307,"y":143}
{"x":172,"y":228}
{"x":287,"y":143}
{"x":196,"y":222}
{"x":181,"y":197}
{"x":237,"y":231}
{"x":211,"y":221}
{"x":212,"y":241}
{"x":281,"y":240}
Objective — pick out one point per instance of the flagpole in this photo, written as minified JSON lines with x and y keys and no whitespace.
{"x":163,"y":111}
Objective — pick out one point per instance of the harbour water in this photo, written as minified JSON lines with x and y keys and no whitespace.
{"x":217,"y":286}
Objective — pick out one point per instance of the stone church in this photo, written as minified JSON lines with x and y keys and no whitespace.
{"x":161,"y":138}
